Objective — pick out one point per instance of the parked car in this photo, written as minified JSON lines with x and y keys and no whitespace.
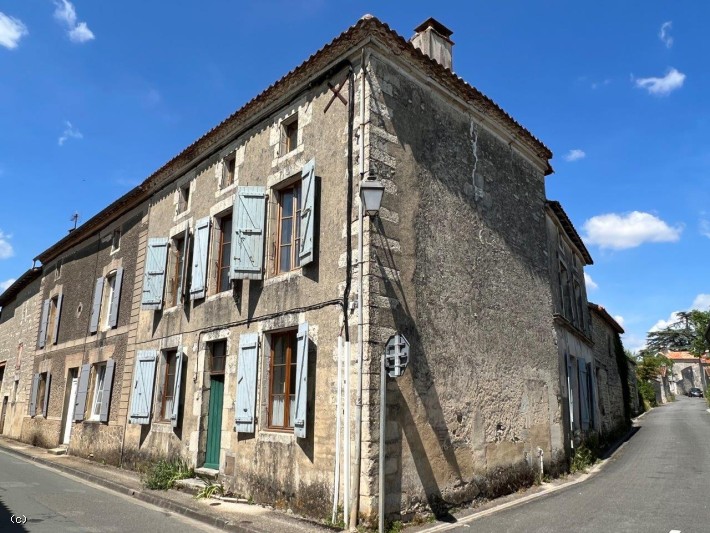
{"x":695,"y":392}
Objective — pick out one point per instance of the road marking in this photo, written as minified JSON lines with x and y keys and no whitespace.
{"x":674,"y":531}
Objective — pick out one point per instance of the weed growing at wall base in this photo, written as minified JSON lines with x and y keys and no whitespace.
{"x":163,"y":474}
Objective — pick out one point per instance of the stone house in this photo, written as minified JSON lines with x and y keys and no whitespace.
{"x":634,"y":395}
{"x":19,"y":307}
{"x":687,"y":372}
{"x":614,"y":396}
{"x":202,"y":314}
{"x":568,"y":256}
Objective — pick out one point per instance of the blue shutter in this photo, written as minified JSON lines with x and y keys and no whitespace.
{"x":248,"y":238}
{"x":308,"y":186}
{"x":199,"y":258}
{"x":245,"y":403}
{"x":182,"y":289}
{"x":81,"y":393}
{"x":583,"y":393}
{"x":47,"y":385}
{"x":154,"y":277}
{"x":142,"y":394}
{"x":43,"y":324}
{"x":115,"y":299}
{"x":33,"y":396}
{"x":176,"y":388}
{"x":106,"y":393}
{"x":570,"y":391}
{"x":57,"y":318}
{"x":299,"y":424}
{"x":96,"y":305}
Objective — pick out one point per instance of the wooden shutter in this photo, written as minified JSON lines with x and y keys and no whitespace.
{"x":115,"y":299}
{"x":245,"y":402}
{"x":33,"y":396}
{"x":154,"y":277}
{"x":299,"y":423}
{"x":308,"y":186}
{"x":183,"y":275}
{"x":248,"y":233}
{"x":47,"y":385}
{"x":81,"y":392}
{"x":106,"y":393}
{"x":57,"y":318}
{"x":142,"y":394}
{"x":43,"y":324}
{"x":583,"y":393}
{"x":200,"y":250}
{"x":96,"y":305}
{"x":176,"y":387}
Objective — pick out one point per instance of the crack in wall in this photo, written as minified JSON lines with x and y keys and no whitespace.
{"x":477,"y":183}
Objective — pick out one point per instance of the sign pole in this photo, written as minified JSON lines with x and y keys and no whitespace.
{"x":383,"y":411}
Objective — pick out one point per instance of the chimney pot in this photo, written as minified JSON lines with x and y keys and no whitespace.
{"x":433,"y":39}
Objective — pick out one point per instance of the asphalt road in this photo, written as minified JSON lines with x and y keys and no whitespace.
{"x":55,"y":502}
{"x":659,"y":481}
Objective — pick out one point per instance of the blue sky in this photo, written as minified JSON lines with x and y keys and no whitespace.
{"x":95,"y":96}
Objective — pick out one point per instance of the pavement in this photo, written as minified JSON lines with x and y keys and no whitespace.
{"x":65,"y":505}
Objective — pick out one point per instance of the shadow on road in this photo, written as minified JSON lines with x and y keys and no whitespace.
{"x":6,"y":518}
{"x":610,"y":451}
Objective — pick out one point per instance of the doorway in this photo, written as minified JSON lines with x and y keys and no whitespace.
{"x":72,"y":386}
{"x":217,"y":352}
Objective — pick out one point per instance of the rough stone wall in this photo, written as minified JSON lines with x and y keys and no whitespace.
{"x":611,"y":397}
{"x":18,"y":339}
{"x":636,"y":406}
{"x":686,"y":375}
{"x":458,"y":265}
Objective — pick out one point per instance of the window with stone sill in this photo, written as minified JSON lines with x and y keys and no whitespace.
{"x":228,"y":171}
{"x":97,"y":396}
{"x":288,"y":234}
{"x":289,"y":135}
{"x":224,"y":254}
{"x":183,"y":199}
{"x":282,"y":383}
{"x":116,"y":240}
{"x":168,"y":397}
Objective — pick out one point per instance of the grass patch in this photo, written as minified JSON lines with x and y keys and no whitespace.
{"x":584,"y":457}
{"x":211,"y":489}
{"x":163,"y":474}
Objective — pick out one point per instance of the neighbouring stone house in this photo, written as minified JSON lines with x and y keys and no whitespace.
{"x":687,"y":372}
{"x":634,"y":395}
{"x":19,"y":307}
{"x":201,"y":314}
{"x":568,"y":256}
{"x":610,"y":372}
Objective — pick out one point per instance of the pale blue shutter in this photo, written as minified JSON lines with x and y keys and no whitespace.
{"x":57,"y":318}
{"x":47,"y":386}
{"x":142,"y":395}
{"x":583,"y":393}
{"x":308,"y":195}
{"x":299,"y":423}
{"x":33,"y":395}
{"x":43,"y":324}
{"x":154,"y":277}
{"x":182,"y":289}
{"x":115,"y":299}
{"x":176,"y":388}
{"x":245,"y":403}
{"x":96,"y":306}
{"x":248,"y":239}
{"x":199,"y":258}
{"x":81,"y":393}
{"x":106,"y":393}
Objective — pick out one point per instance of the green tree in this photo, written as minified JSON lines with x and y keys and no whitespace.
{"x":686,"y":334}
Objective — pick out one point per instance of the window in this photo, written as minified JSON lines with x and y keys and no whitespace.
{"x":564,"y":292}
{"x":166,"y":405}
{"x":2,"y":373}
{"x":109,"y":288}
{"x":218,"y":356}
{"x":41,"y":391}
{"x":578,"y":301}
{"x":228,"y":171}
{"x":177,"y":270}
{"x":183,"y":198}
{"x":52,"y":320}
{"x":289,"y":134}
{"x":225,"y":253}
{"x":282,"y":392}
{"x":116,"y":240}
{"x":98,"y":388}
{"x":289,"y":228}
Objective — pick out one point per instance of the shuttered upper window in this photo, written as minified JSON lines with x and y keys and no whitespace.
{"x":177,"y":269}
{"x":225,"y":252}
{"x":289,"y":228}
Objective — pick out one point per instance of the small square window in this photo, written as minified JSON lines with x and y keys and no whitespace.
{"x":116,"y":240}
{"x":290,"y":134}
{"x":228,"y":171}
{"x":184,"y":198}
{"x":58,"y":270}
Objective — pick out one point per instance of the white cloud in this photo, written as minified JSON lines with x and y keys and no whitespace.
{"x":664,"y":34}
{"x":5,"y":246}
{"x":589,"y":282}
{"x":11,"y":31}
{"x":705,"y":227}
{"x":662,"y":324}
{"x":70,"y":132}
{"x":4,"y":285}
{"x":574,"y":155}
{"x":619,"y":319}
{"x":701,"y":302}
{"x":65,"y":13}
{"x":662,"y":86}
{"x":629,"y":230}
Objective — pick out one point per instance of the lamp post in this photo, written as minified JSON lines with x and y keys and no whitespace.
{"x":371,"y":192}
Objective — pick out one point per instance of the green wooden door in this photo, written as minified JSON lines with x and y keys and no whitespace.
{"x":214,"y":422}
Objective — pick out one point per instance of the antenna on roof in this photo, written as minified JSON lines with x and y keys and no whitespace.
{"x":75,"y":218}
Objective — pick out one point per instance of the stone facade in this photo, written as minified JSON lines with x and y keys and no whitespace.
{"x":686,"y":372}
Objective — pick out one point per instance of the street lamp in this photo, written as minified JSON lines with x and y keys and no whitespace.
{"x":371,"y":191}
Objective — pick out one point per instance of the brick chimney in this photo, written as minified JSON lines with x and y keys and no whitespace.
{"x":432,"y":38}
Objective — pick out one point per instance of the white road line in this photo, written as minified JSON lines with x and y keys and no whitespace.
{"x":674,"y":531}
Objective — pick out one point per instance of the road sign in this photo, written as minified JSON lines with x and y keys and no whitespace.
{"x":396,"y":355}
